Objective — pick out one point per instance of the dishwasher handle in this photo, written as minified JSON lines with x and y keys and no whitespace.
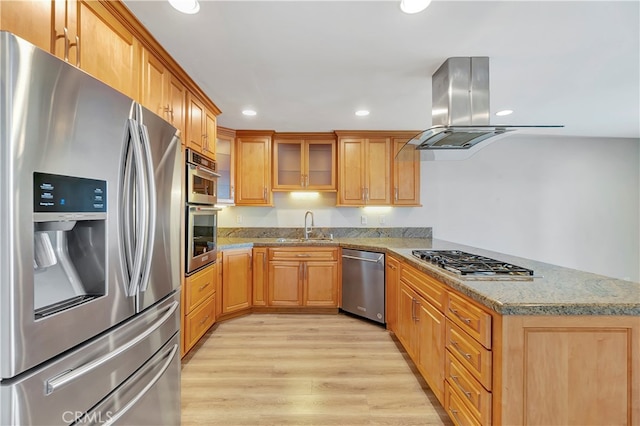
{"x":346,"y":256}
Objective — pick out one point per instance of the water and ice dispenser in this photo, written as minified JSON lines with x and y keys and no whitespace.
{"x":69,"y":238}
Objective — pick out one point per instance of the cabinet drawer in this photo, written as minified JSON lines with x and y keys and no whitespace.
{"x":470,"y":318}
{"x":428,"y":287}
{"x":457,"y":410}
{"x":471,"y":354}
{"x":468,"y":389}
{"x":303,"y":253}
{"x":199,"y":286}
{"x":199,"y":321}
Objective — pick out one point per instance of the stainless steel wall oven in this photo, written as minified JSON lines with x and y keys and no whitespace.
{"x":202,"y":179}
{"x":201,"y":213}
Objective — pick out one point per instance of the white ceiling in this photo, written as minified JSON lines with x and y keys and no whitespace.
{"x":308,"y":65}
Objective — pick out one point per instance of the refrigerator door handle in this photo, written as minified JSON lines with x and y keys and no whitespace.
{"x":149,"y":238}
{"x":171,"y":354}
{"x":125,"y":214}
{"x":141,"y":208}
{"x":68,"y":376}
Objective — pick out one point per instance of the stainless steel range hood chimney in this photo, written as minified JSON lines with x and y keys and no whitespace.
{"x":460,"y":111}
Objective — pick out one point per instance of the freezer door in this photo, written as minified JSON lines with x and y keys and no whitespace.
{"x":61,"y":391}
{"x":151,"y":397}
{"x":56,"y":120}
{"x":161,"y":275}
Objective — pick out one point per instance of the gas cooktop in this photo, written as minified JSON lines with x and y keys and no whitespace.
{"x":468,"y":264}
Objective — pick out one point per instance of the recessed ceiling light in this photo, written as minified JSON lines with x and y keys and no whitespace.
{"x":186,"y":6}
{"x":504,"y":112}
{"x":414,"y":6}
{"x":362,"y":113}
{"x":249,"y":112}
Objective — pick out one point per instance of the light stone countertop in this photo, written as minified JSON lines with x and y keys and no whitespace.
{"x":555,"y":290}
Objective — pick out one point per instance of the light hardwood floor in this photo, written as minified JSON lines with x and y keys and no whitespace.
{"x":286,"y":369}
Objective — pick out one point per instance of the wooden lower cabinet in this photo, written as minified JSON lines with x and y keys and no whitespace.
{"x":303,"y":276}
{"x":490,"y":369}
{"x":199,"y":321}
{"x":285,"y":283}
{"x":391,"y":293}
{"x":260,"y":275}
{"x":236,"y":280}
{"x":320,"y":284}
{"x":568,"y":370}
{"x":421,"y":331}
{"x":476,"y":398}
{"x":218,"y":271}
{"x":198,"y":305}
{"x":457,"y":410}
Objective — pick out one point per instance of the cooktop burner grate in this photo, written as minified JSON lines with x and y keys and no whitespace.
{"x":464,"y":263}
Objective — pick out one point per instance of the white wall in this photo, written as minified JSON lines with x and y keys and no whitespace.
{"x":569,"y":201}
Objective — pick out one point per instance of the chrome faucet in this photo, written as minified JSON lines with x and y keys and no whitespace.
{"x":308,"y":229}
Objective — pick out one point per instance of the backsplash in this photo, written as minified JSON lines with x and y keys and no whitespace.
{"x":325,"y":232}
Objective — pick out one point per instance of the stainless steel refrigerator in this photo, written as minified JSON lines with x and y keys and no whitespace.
{"x":90,"y":209}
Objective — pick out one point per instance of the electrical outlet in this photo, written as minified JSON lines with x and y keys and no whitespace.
{"x":382,"y":220}
{"x":363,"y":220}
{"x":239,"y":219}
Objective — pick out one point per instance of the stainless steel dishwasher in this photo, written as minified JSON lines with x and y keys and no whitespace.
{"x":363,"y":284}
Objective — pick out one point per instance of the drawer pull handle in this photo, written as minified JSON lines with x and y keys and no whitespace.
{"x":202,"y":287}
{"x":303,"y":255}
{"x":463,"y":319}
{"x":417,"y":312}
{"x":460,"y":351}
{"x":203,"y":320}
{"x":455,"y":414}
{"x":457,"y":382}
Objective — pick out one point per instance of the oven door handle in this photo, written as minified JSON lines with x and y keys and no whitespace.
{"x":204,"y":170}
{"x":204,"y":209}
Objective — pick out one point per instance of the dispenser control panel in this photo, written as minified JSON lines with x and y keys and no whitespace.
{"x":68,"y":194}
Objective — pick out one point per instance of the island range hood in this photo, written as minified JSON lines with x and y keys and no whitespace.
{"x":460,"y":112}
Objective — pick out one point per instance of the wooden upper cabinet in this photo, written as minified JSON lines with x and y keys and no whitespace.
{"x":162,"y":92}
{"x":405,"y":172}
{"x":155,"y":85}
{"x":195,"y":135}
{"x":108,"y":51}
{"x":107,"y":41}
{"x":65,"y":42}
{"x":177,"y":99}
{"x":253,"y":168}
{"x":304,"y":161}
{"x":369,"y":172}
{"x":52,"y":25}
{"x":377,"y":162}
{"x":201,"y":132}
{"x":364,"y":171}
{"x":30,"y":20}
{"x":210,"y":127}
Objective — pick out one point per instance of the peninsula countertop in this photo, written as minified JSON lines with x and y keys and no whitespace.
{"x":555,"y":290}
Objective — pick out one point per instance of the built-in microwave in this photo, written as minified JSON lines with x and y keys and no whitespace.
{"x":201,"y":179}
{"x":201,"y":245}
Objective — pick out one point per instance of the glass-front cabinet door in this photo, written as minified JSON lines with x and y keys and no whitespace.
{"x":304,"y":161}
{"x":225,"y":158}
